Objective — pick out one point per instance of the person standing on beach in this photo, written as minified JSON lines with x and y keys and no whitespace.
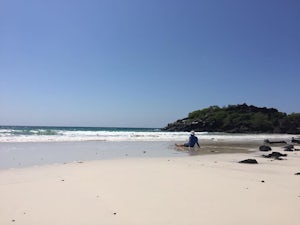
{"x":193,"y":140}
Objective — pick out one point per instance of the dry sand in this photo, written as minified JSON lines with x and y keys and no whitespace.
{"x":203,"y":189}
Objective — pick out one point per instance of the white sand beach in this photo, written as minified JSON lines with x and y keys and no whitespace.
{"x":203,"y":189}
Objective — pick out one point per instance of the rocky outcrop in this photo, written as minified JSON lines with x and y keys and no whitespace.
{"x":238,"y":119}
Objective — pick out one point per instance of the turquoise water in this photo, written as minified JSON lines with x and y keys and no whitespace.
{"x":53,"y":130}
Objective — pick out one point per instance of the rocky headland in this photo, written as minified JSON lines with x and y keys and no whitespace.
{"x":241,"y":118}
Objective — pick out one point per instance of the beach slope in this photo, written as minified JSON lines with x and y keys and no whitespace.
{"x":204,"y":189}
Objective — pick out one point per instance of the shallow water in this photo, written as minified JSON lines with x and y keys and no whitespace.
{"x":14,"y":155}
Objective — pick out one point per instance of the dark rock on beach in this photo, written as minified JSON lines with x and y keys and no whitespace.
{"x":297,"y":173}
{"x":275,"y":155}
{"x":297,"y":141}
{"x":264,"y":148}
{"x":249,"y":161}
{"x":267,"y":141}
{"x":289,"y":148}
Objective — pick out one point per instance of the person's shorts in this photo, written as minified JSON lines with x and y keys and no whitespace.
{"x":186,"y":145}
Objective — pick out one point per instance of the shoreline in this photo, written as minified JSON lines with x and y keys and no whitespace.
{"x":19,"y":155}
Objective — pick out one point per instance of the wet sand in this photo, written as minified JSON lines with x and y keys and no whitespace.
{"x":210,"y":147}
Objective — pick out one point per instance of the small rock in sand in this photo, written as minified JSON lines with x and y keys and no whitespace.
{"x":289,"y":148}
{"x":275,"y":155}
{"x":249,"y":161}
{"x":264,"y":148}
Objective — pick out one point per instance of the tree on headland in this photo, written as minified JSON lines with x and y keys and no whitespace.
{"x":241,"y":118}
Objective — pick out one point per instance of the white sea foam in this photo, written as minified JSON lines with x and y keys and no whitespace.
{"x":79,"y":135}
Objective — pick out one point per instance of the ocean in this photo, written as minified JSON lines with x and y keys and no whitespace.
{"x":65,"y":134}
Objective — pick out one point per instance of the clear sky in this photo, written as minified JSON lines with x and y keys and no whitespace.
{"x":144,"y":63}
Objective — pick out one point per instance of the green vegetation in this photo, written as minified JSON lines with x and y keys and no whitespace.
{"x":238,"y":119}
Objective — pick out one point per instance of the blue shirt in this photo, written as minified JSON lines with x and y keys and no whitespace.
{"x":192,"y":141}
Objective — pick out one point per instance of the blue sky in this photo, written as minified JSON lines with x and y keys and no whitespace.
{"x":144,"y":63}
